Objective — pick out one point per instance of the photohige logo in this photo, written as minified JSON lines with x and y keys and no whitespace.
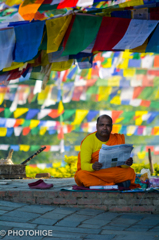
{"x":30,"y":233}
{"x":3,"y":233}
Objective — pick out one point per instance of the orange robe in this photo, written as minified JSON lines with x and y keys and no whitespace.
{"x":109,"y":176}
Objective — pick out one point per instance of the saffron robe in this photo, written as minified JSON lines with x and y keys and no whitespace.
{"x":109,"y":176}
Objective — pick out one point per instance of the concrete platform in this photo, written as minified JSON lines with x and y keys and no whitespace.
{"x":17,"y":190}
{"x":27,"y":221}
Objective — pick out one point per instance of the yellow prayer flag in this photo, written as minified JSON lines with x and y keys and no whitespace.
{"x":131,"y":130}
{"x":19,"y":111}
{"x":13,"y":2}
{"x":61,"y":66}
{"x":34,"y":123}
{"x":138,"y":117}
{"x":14,"y":65}
{"x":44,"y":58}
{"x":141,"y":155}
{"x":79,"y":116}
{"x":89,"y":74}
{"x":104,"y":93}
{"x":131,"y":3}
{"x":123,"y":64}
{"x":24,"y":148}
{"x":77,"y":148}
{"x":127,"y":54}
{"x":42,"y":96}
{"x":116,"y":100}
{"x":56,"y":29}
{"x":114,"y":81}
{"x":108,"y":64}
{"x":3,"y":131}
{"x":2,"y":95}
{"x":60,"y":107}
{"x":43,"y":130}
{"x":157,"y":95}
{"x":129,"y":72}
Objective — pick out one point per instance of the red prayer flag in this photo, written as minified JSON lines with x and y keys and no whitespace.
{"x":67,"y":3}
{"x":110,"y":33}
{"x":26,"y":130}
{"x":54,"y":113}
{"x":18,"y":122}
{"x":116,"y":115}
{"x":1,"y":109}
{"x":61,"y":133}
{"x":145,"y":103}
{"x":47,"y":148}
{"x":137,"y":91}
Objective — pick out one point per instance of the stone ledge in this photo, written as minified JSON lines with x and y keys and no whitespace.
{"x":114,"y":202}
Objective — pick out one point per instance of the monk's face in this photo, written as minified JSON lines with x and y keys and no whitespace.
{"x":104,"y":127}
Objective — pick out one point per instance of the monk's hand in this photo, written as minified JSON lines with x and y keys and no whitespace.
{"x":129,"y":161}
{"x":96,"y":166}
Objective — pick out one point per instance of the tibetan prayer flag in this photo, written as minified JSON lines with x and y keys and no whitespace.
{"x":34,"y":123}
{"x":3,"y":131}
{"x":110,"y":33}
{"x":116,"y":115}
{"x":24,"y":148}
{"x":92,"y":114}
{"x":83,"y":32}
{"x":20,"y":111}
{"x":7,"y":113}
{"x":28,"y":8}
{"x":7,"y":43}
{"x":9,"y":131}
{"x":56,"y":29}
{"x":28,"y":39}
{"x":68,"y":113}
{"x":26,"y":131}
{"x":14,"y":147}
{"x":18,"y":122}
{"x":31,"y":113}
{"x":79,"y":116}
{"x":67,"y":4}
{"x":60,"y":108}
{"x":153,"y":44}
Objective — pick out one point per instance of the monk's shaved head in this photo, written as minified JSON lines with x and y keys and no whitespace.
{"x":105,"y":116}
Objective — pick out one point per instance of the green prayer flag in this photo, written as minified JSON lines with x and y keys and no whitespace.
{"x":92,"y":90}
{"x":154,"y":104}
{"x":68,"y":113}
{"x":146,"y":93}
{"x":35,"y":131}
{"x":7,"y":113}
{"x":127,"y":116}
{"x":141,"y":71}
{"x":136,"y":56}
{"x":83,"y":33}
{"x":102,"y":82}
{"x":34,"y":147}
{"x":26,"y":123}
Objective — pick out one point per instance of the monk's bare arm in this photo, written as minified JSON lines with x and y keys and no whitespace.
{"x":97,"y":166}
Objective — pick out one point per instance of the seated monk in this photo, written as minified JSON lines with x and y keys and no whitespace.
{"x":89,"y":172}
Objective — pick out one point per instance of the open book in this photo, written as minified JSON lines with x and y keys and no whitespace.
{"x":112,"y":156}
